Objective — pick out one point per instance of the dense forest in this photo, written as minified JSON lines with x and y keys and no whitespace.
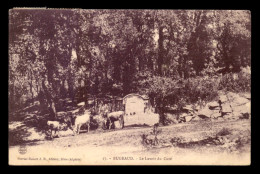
{"x":173,"y":56}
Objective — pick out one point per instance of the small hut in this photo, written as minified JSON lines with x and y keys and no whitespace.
{"x":135,"y":104}
{"x":138,"y":110}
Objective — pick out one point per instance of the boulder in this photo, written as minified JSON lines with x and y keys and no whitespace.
{"x":226,"y":108}
{"x":205,"y":112}
{"x":229,"y":97}
{"x":188,"y":118}
{"x":215,"y":115}
{"x":234,"y":98}
{"x":242,"y":108}
{"x":223,"y":98}
{"x":240,"y":100}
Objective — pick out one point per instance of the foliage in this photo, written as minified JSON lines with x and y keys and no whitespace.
{"x":171,"y":55}
{"x":237,"y":82}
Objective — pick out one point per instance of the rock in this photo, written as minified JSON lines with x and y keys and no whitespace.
{"x":205,"y":113}
{"x":245,"y":108}
{"x":197,"y":118}
{"x":215,"y":115}
{"x":81,"y":104}
{"x":223,"y":98}
{"x":213,"y":105}
{"x":188,"y":118}
{"x":232,"y":95}
{"x":226,"y":108}
{"x":240,"y":100}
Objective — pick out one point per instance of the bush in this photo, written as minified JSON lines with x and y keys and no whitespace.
{"x":204,"y":88}
{"x":236,"y":82}
{"x":166,"y":91}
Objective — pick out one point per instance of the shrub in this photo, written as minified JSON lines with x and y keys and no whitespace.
{"x":200,"y":87}
{"x":236,"y":82}
{"x":166,"y":91}
{"x":224,"y":132}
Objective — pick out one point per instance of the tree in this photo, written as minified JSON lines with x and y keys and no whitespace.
{"x":232,"y":36}
{"x":78,"y":54}
{"x":43,"y":52}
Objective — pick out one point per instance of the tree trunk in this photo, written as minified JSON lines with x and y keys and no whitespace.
{"x":160,"y":51}
{"x":50,"y":100}
{"x":85,"y":91}
{"x":41,"y":100}
{"x":70,"y":86}
{"x":31,"y":86}
{"x":62,"y":88}
{"x":31,"y":90}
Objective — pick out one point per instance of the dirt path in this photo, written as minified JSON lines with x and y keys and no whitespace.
{"x":97,"y":145}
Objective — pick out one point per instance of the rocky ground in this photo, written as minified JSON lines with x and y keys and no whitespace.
{"x":227,"y":106}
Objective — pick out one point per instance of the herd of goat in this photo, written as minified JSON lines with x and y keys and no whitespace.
{"x":76,"y":122}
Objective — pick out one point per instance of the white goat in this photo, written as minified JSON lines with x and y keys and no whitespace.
{"x":80,"y":120}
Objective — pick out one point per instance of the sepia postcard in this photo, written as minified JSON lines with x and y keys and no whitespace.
{"x":129,"y":87}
